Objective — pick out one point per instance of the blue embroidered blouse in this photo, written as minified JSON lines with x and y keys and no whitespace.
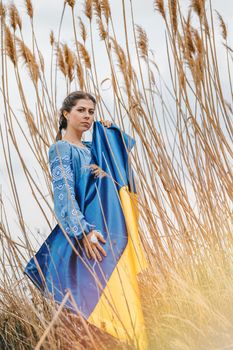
{"x":63,"y":155}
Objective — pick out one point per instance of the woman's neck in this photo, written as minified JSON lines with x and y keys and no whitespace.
{"x":73,"y":137}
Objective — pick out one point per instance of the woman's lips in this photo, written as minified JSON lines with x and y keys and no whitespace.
{"x":87,"y":124}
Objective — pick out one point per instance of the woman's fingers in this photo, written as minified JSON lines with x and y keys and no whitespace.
{"x":92,"y":253}
{"x":95,"y":169}
{"x":88,"y":249}
{"x":106,"y":123}
{"x":96,"y":172}
{"x":100,"y":237}
{"x":92,"y":249}
{"x":97,"y":253}
{"x":87,"y":252}
{"x":101,"y":249}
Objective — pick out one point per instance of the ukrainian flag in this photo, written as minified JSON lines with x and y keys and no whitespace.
{"x":106,"y":293}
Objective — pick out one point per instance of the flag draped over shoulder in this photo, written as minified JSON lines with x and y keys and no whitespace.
{"x":106,"y":293}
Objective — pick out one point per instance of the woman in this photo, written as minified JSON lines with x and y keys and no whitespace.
{"x":94,"y":251}
{"x":76,"y":117}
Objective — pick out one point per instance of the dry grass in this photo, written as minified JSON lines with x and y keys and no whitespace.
{"x":182,"y":162}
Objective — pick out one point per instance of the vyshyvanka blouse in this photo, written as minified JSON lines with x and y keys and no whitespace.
{"x":67,"y":185}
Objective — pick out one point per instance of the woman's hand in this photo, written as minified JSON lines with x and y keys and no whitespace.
{"x":106,"y":123}
{"x":93,"y":248}
{"x":97,"y":171}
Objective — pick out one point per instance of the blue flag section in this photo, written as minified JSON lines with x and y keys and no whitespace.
{"x":106,"y":293}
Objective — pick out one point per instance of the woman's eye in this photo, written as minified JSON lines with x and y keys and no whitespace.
{"x":81,"y":110}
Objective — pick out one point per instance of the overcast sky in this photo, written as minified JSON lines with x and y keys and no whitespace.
{"x":47,"y":15}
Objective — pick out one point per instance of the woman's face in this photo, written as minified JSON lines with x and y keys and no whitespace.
{"x":81,"y":115}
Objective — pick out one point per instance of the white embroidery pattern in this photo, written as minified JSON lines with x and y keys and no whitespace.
{"x":65,"y":205}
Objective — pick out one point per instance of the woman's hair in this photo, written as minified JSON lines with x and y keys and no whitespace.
{"x":68,"y":103}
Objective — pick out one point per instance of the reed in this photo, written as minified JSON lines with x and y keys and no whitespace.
{"x":182,"y":163}
{"x":10,"y":45}
{"x":14,"y":16}
{"x":29,"y":8}
{"x":29,"y":60}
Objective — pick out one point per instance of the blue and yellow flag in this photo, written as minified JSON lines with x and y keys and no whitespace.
{"x":106,"y":293}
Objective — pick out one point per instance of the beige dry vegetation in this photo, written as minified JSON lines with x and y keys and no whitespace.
{"x":183,"y":162}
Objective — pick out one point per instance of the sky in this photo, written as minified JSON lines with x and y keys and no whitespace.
{"x":47,"y":15}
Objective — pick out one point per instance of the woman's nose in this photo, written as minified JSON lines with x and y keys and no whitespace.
{"x":87,"y":115}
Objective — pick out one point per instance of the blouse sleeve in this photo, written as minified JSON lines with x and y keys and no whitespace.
{"x":66,"y":207}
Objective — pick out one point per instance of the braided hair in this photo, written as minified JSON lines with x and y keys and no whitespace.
{"x":68,"y":103}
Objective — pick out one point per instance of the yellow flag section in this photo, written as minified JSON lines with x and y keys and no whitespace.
{"x":119,"y":310}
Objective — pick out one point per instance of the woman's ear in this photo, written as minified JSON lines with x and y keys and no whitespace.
{"x":65,"y":113}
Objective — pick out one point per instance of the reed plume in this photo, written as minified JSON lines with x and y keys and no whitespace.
{"x":198,"y":7}
{"x":29,"y":8}
{"x":51,"y":37}
{"x":142,"y":41}
{"x":120,"y":55}
{"x":222,"y":26}
{"x":97,"y":5}
{"x":85,"y":55}
{"x":41,"y":60}
{"x":29,"y":60}
{"x":80,"y":75}
{"x":105,"y":7}
{"x":199,"y":58}
{"x":97,"y":8}
{"x":198,"y":42}
{"x":122,"y":63}
{"x":71,"y":3}
{"x":159,"y":6}
{"x":83,"y":30}
{"x":189,"y":45}
{"x":2,"y":11}
{"x":172,"y":5}
{"x":61,"y":61}
{"x":31,"y":123}
{"x":15,"y":19}
{"x":88,"y":9}
{"x":10,"y":45}
{"x":102,"y":32}
{"x":69,"y":61}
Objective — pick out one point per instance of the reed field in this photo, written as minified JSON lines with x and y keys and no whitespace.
{"x":182,"y":161}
